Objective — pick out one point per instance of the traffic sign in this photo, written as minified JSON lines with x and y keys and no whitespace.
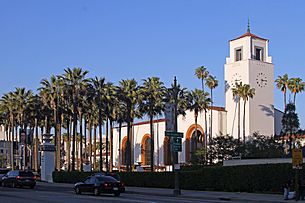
{"x":297,"y":158}
{"x":173,"y":134}
{"x":176,"y":143}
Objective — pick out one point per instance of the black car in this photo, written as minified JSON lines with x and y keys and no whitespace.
{"x":100,"y":184}
{"x":3,"y":172}
{"x":19,"y":178}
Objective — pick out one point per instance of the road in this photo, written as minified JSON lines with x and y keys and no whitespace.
{"x":50,"y":194}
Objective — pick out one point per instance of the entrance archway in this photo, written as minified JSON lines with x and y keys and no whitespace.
{"x":145,"y":149}
{"x":191,"y":142}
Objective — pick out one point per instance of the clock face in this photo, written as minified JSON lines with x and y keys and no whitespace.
{"x":235,"y":78}
{"x":261,"y":80}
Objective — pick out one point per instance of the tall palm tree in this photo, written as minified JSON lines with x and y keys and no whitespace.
{"x":75,"y":79}
{"x":199,"y":101}
{"x":99,"y":85}
{"x":237,"y":93}
{"x":246,"y":93}
{"x":202,"y":73}
{"x":296,"y":85}
{"x":211,"y":83}
{"x":282,"y":83}
{"x":153,"y":92}
{"x":108,"y":100}
{"x":129,"y":95}
{"x":54,"y":90}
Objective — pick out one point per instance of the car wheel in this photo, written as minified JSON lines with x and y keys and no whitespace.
{"x":32,"y":187}
{"x":117,"y":194}
{"x":96,"y":192}
{"x":77,"y":191}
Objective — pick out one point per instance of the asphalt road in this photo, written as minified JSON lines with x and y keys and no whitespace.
{"x":50,"y":194}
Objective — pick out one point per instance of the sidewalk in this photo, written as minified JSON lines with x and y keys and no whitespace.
{"x":192,"y":194}
{"x":210,"y":195}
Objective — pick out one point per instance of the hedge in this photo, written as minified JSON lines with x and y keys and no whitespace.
{"x":252,"y":178}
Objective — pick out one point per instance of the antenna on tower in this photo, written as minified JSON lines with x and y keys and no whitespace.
{"x":248,"y":29}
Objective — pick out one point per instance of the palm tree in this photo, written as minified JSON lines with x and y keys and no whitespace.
{"x":75,"y":80}
{"x":211,"y":83}
{"x":296,"y":85}
{"x":108,"y":100}
{"x":202,"y":73}
{"x":9,"y":106}
{"x":246,"y":93}
{"x":153,"y":92}
{"x":199,"y":101}
{"x":282,"y":83}
{"x":99,"y":85}
{"x":54,"y":90}
{"x":237,"y":92}
{"x":129,"y":95}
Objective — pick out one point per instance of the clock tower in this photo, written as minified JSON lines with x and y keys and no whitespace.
{"x":249,"y":62}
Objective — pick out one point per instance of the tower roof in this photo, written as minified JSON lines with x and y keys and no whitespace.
{"x":249,"y":34}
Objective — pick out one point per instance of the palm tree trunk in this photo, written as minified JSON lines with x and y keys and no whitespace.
{"x":85,"y":140}
{"x":69,"y":121}
{"x":36,"y":146}
{"x":294,"y":98}
{"x":244,"y":122}
{"x":90,"y":143}
{"x":128,"y":147}
{"x":94,"y":147}
{"x":12,"y":146}
{"x":211,"y":121}
{"x":101,"y":138}
{"x":81,"y":140}
{"x":206,"y":124}
{"x":107,"y":143}
{"x":238,"y":128}
{"x":285,"y":99}
{"x":120,"y":147}
{"x":111,"y":146}
{"x":74,"y":134}
{"x":152,"y":142}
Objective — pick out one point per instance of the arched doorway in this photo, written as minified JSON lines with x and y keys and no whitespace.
{"x":123,"y":155}
{"x":145,"y":150}
{"x":192,"y":142}
{"x":167,"y":151}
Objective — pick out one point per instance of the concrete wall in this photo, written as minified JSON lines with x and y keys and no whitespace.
{"x":257,"y":161}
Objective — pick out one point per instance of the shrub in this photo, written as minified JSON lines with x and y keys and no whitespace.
{"x":252,"y":178}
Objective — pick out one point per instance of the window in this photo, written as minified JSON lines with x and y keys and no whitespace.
{"x":238,"y":54}
{"x":259,"y":53}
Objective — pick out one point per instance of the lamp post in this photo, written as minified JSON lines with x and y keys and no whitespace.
{"x":177,"y":191}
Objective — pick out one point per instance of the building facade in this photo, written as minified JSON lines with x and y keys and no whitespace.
{"x":248,"y":62}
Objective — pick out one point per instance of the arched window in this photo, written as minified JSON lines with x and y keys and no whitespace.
{"x":192,"y":143}
{"x":167,"y":151}
{"x":145,"y":150}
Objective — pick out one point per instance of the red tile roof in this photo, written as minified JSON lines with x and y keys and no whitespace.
{"x":249,"y":34}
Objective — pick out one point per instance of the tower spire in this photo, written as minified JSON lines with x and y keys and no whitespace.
{"x":248,"y":29}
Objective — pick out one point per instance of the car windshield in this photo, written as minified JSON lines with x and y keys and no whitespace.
{"x":26,"y":174}
{"x":106,"y":178}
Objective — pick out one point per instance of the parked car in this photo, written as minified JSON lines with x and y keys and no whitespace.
{"x":3,"y":172}
{"x":112,"y":174}
{"x":19,"y":178}
{"x":100,"y":184}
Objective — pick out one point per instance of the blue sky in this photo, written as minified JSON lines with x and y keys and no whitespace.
{"x":137,"y":39}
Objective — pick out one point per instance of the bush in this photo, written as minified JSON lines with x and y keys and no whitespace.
{"x":252,"y":178}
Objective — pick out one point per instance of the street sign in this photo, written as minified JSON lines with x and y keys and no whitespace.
{"x":173,"y":134}
{"x":176,"y":144}
{"x":297,"y":158}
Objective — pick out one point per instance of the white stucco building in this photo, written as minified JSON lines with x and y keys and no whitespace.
{"x":248,"y":62}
